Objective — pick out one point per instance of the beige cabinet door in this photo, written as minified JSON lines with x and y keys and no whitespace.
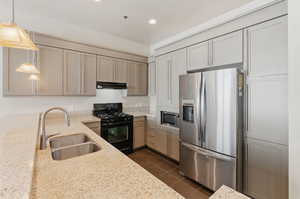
{"x":132,"y":78}
{"x":120,"y":71}
{"x":16,"y":83}
{"x":89,"y":71}
{"x":173,"y":146}
{"x":51,"y":65}
{"x":142,"y":79}
{"x":139,"y":134}
{"x":72,"y":73}
{"x":105,"y":69}
{"x":198,"y":56}
{"x":227,"y":49}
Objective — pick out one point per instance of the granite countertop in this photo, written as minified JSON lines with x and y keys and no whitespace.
{"x":107,"y":173}
{"x":227,"y":193}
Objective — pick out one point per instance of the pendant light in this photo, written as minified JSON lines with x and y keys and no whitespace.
{"x":34,"y":77}
{"x":28,"y":68}
{"x":13,"y":36}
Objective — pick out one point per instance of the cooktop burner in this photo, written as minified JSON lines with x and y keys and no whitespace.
{"x":111,"y":112}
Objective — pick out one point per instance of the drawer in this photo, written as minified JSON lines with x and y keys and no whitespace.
{"x":139,"y":124}
{"x":96,"y":130}
{"x":93,"y":124}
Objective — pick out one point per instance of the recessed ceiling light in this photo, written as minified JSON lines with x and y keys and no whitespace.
{"x":152,"y":21}
{"x":97,"y":0}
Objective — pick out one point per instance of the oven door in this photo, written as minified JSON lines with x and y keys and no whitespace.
{"x":118,"y":134}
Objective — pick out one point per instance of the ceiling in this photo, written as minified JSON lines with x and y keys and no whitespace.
{"x":173,"y":16}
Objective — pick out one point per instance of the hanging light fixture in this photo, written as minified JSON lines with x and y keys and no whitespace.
{"x":13,"y":36}
{"x":28,"y":68}
{"x":34,"y":77}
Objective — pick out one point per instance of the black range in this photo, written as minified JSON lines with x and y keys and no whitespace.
{"x":116,"y":126}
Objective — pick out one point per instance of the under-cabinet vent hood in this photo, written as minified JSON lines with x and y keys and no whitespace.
{"x":110,"y":85}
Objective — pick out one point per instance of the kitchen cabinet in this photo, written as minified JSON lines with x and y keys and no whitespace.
{"x":266,"y":170}
{"x":173,"y":146}
{"x":267,"y":50}
{"x":268,"y":109}
{"x":223,"y":50}
{"x":139,"y":133}
{"x":16,"y":83}
{"x":198,"y":56}
{"x":50,"y":62}
{"x":120,"y":71}
{"x":163,"y":80}
{"x":94,"y":126}
{"x":157,"y":140}
{"x":137,"y":75}
{"x":79,"y":74}
{"x":227,"y":49}
{"x":105,"y":69}
{"x":266,"y":153}
{"x":152,"y":79}
{"x":72,"y":73}
{"x":169,"y":68}
{"x":89,"y":70}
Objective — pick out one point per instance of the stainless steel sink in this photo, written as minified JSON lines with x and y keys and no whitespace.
{"x":62,"y":141}
{"x":74,"y":151}
{"x":70,"y":146}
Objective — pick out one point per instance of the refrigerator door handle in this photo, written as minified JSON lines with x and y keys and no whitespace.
{"x":203,"y":106}
{"x":195,"y":149}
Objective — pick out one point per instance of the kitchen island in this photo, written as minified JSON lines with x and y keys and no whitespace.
{"x":107,"y":173}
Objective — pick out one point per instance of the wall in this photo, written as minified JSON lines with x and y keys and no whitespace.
{"x":294,"y":99}
{"x":22,"y":105}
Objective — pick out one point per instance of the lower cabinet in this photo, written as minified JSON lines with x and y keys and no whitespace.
{"x":173,"y":146}
{"x":162,"y":141}
{"x":139,"y":133}
{"x":94,"y":126}
{"x":266,"y":170}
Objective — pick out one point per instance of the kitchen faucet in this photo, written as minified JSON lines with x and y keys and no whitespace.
{"x":44,"y":137}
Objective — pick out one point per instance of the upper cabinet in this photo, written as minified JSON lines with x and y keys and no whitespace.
{"x":198,"y":56}
{"x":72,"y":72}
{"x":152,"y":79}
{"x":137,"y":75}
{"x":89,"y":76}
{"x":51,"y":65}
{"x":120,"y":71}
{"x":224,"y":50}
{"x":80,"y":74}
{"x":105,"y":69}
{"x":267,"y":48}
{"x":227,"y":49}
{"x":70,"y":68}
{"x":15,"y":83}
{"x":169,"y":68}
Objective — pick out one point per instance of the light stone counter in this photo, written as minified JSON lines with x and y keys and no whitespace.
{"x":227,"y":193}
{"x":104,"y":174}
{"x":18,"y":138}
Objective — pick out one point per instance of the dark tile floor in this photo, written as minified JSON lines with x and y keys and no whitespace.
{"x":168,"y":172}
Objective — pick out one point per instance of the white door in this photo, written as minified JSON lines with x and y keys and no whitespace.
{"x":227,"y":49}
{"x":198,"y":56}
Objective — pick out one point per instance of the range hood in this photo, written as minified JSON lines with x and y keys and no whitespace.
{"x":110,"y":85}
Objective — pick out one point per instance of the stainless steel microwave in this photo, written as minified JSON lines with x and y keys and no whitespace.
{"x":168,"y":118}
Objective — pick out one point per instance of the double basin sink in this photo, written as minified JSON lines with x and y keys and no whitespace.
{"x":70,"y":146}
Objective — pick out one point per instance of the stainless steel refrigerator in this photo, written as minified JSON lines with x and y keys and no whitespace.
{"x":211,"y":127}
